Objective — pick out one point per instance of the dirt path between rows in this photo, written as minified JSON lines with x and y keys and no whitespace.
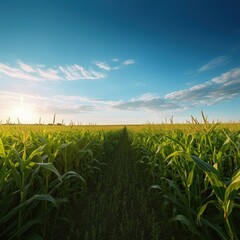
{"x":119,"y":208}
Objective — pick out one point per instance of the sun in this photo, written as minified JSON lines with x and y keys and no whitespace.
{"x":24,"y":113}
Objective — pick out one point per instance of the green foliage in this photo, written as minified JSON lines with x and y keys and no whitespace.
{"x":196,"y":171}
{"x":90,"y":183}
{"x":37,"y":178}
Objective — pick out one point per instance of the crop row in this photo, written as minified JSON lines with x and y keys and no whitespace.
{"x":197,"y":176}
{"x":192,"y":171}
{"x":40,"y":171}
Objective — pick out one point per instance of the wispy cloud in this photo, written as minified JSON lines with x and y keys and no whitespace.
{"x":128,"y":62}
{"x":103,"y":65}
{"x":42,"y":73}
{"x":227,"y":76}
{"x":18,"y":73}
{"x":216,"y":62}
{"x":25,"y":67}
{"x":226,"y":86}
{"x":147,"y":102}
{"x":83,"y":99}
{"x":76,"y":72}
{"x":114,"y":65}
{"x":49,"y":74}
{"x":66,"y":109}
{"x":223,"y":87}
{"x":43,"y":105}
{"x":73,"y":72}
{"x":115,"y":59}
{"x":154,"y":105}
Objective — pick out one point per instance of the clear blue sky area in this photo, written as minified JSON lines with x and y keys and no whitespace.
{"x":119,"y":62}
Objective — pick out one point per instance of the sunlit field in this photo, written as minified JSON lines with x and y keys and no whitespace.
{"x":120,"y":182}
{"x":119,"y":120}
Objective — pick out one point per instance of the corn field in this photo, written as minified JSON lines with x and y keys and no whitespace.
{"x":197,"y":174}
{"x":148,"y":182}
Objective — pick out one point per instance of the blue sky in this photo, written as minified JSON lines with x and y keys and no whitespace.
{"x":119,"y":62}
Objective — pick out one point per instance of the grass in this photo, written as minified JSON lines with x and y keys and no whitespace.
{"x":111,"y":182}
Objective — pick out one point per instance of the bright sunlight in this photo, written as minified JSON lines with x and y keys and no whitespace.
{"x":23,"y":113}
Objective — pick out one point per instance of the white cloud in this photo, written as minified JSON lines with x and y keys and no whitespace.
{"x":18,"y":73}
{"x":103,"y":65}
{"x":207,"y":93}
{"x":65,"y":109}
{"x":25,"y":67}
{"x":221,"y":88}
{"x":226,"y":86}
{"x":42,"y":73}
{"x":42,"y":105}
{"x":76,"y":72}
{"x":128,"y":62}
{"x":82,"y":99}
{"x":147,"y":102}
{"x":149,"y":96}
{"x":234,"y":73}
{"x":217,"y":62}
{"x":49,"y":74}
{"x":107,"y":67}
{"x":15,"y":95}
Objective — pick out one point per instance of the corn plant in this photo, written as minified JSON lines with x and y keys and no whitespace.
{"x":38,"y":174}
{"x":226,"y":196}
{"x":187,"y":194}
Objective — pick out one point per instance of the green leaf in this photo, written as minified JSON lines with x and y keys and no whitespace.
{"x":178,"y":154}
{"x":213,"y":175}
{"x":177,"y":192}
{"x":40,"y":197}
{"x":190,"y":177}
{"x":230,"y":194}
{"x":202,"y":209}
{"x":72,"y":174}
{"x":156,"y":187}
{"x":216,"y":228}
{"x":2,"y":150}
{"x":176,"y":141}
{"x":50,"y":167}
{"x":64,"y":145}
{"x":205,"y":167}
{"x":37,"y":151}
{"x":183,"y":219}
{"x":87,"y":151}
{"x":3,"y":173}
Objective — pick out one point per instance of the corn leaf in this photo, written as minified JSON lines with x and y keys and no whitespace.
{"x":50,"y":167}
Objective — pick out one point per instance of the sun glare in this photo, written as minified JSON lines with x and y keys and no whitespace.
{"x":24,"y":113}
